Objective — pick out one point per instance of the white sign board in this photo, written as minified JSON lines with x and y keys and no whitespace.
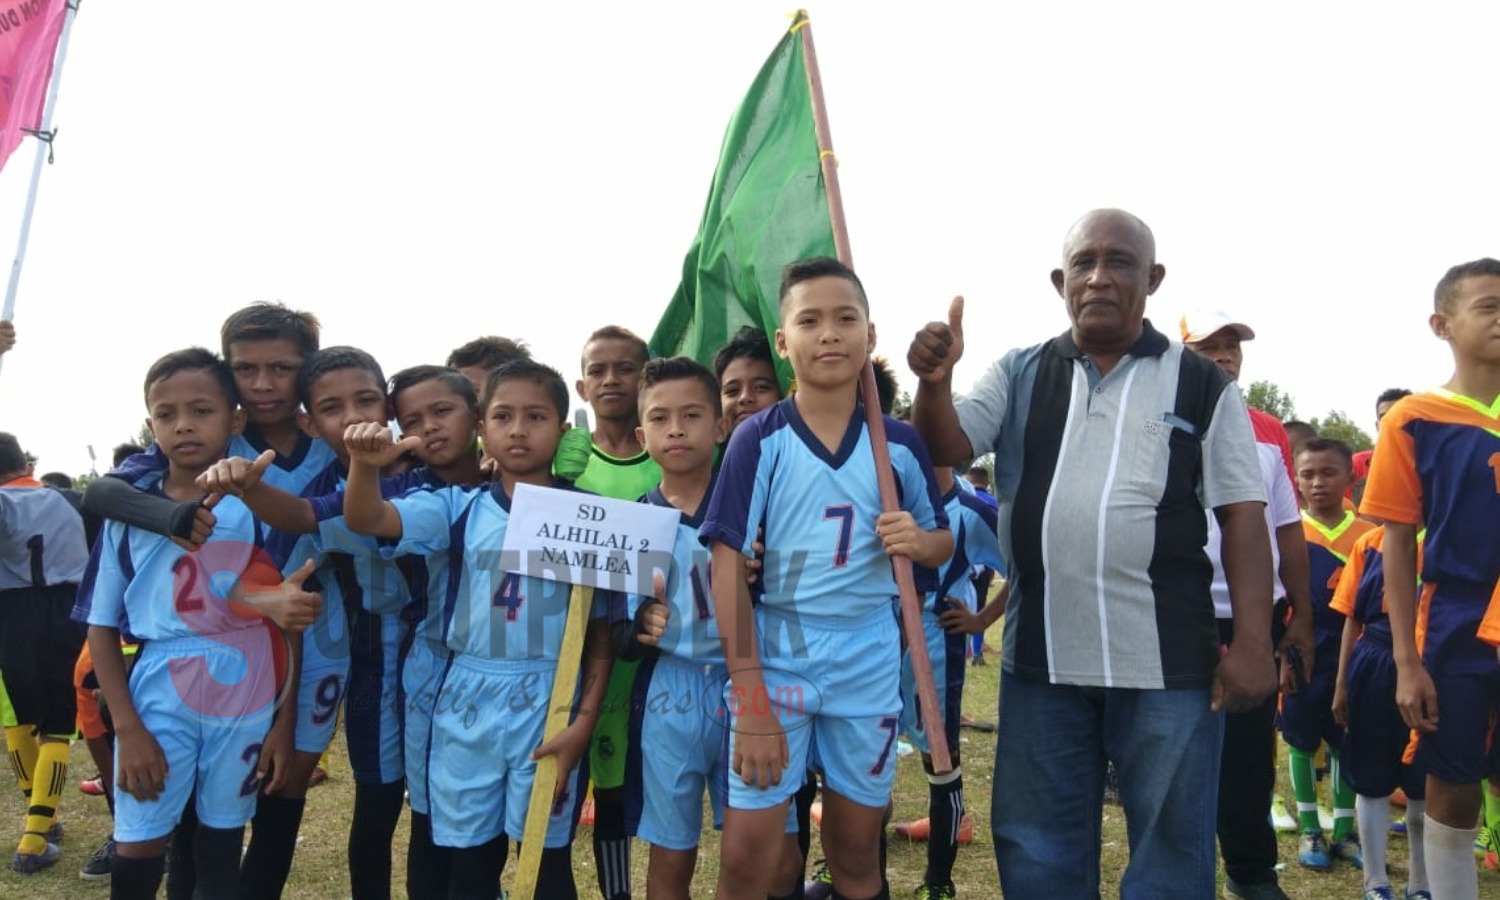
{"x":585,"y":539}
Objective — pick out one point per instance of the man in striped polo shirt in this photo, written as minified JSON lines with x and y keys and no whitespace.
{"x":1110,"y":441}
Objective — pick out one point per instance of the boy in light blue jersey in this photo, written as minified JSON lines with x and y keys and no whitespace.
{"x":817,"y":661}
{"x":195,"y":716}
{"x":383,"y":600}
{"x":505,"y":632}
{"x":678,"y":719}
{"x":976,"y":543}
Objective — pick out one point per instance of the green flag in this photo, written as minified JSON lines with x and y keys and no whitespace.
{"x":766,"y":208}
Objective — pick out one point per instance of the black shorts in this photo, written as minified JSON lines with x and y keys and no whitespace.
{"x":39,"y":645}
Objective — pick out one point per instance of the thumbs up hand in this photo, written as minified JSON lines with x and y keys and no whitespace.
{"x":938,"y":346}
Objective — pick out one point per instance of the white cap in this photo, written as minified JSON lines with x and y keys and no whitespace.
{"x":1200,"y":324}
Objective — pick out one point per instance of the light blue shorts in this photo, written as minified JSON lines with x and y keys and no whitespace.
{"x":208,"y":702}
{"x":835,"y":686}
{"x":489,"y":716}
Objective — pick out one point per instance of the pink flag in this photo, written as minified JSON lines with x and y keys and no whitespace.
{"x":29,"y":30}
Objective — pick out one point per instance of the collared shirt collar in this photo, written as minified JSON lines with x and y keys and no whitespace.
{"x":1150,"y":343}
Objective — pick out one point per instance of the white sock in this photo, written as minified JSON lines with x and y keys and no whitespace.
{"x":1416,"y":860}
{"x":1451,"y":853}
{"x":1374,"y":816}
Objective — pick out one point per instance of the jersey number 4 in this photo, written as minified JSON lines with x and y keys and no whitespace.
{"x":509,"y":595}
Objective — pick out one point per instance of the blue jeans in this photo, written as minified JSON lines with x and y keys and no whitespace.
{"x":1049,"y":782}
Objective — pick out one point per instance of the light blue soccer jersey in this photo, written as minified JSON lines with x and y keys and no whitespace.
{"x":289,"y":473}
{"x":41,"y":539}
{"x":818,"y":508}
{"x":692,"y":631}
{"x":975,"y":543}
{"x":486,"y":612}
{"x":152,"y":589}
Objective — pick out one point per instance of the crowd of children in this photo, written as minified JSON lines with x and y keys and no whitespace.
{"x":308,"y":543}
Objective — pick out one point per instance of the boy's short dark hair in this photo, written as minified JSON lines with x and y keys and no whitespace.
{"x":885,"y":384}
{"x":488,"y":353}
{"x":451,"y":378}
{"x":678,"y":368}
{"x":270,"y":321}
{"x":332,"y":360}
{"x":821,"y":267}
{"x":58,"y":480}
{"x":620,"y":333}
{"x":125,"y":451}
{"x":1321,"y":444}
{"x":12,"y":457}
{"x":978,"y":470}
{"x":749,"y":342}
{"x":1295,"y":429}
{"x":193,"y":359}
{"x":534,"y":372}
{"x":1447,"y":286}
{"x":1391,"y":395}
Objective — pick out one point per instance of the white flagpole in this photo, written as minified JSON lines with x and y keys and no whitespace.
{"x":42,"y":149}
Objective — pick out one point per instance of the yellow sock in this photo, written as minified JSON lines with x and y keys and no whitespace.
{"x":51,"y":776}
{"x":20,"y":742}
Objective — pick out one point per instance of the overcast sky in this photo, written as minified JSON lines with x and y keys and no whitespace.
{"x":418,"y":174}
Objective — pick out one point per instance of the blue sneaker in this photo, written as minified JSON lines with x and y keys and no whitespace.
{"x":1398,"y":827}
{"x":1312,"y":852}
{"x":31,"y":863}
{"x":1383,"y":892}
{"x":1419,"y":895}
{"x":1349,"y":850}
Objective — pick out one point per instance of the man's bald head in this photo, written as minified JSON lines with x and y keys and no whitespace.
{"x":1145,"y":241}
{"x":1109,"y":269}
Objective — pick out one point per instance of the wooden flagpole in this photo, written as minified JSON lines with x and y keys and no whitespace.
{"x":911,"y":603}
{"x":43,"y":146}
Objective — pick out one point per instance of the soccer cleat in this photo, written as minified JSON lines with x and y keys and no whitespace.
{"x":921,"y":830}
{"x":101,"y":864}
{"x":1312,"y":852}
{"x":1281,"y":820}
{"x":937,"y":892}
{"x":1487,"y":847}
{"x":1399,"y":827}
{"x":31,"y":863}
{"x":586,"y":816}
{"x":820,"y":887}
{"x":1383,"y":892}
{"x":1419,"y":895}
{"x":1270,"y":890}
{"x":56,"y":834}
{"x":94,"y":787}
{"x":1398,"y":798}
{"x":1349,"y":851}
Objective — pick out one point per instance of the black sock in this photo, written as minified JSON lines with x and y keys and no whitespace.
{"x":135,"y":879}
{"x":555,"y":875}
{"x":474,"y":872}
{"x":426,"y":863}
{"x":945,"y":807}
{"x":273,"y":840}
{"x":216,"y":853}
{"x":611,"y":844}
{"x":109,"y":798}
{"x":182,"y":867}
{"x":804,"y":799}
{"x":377,"y":807}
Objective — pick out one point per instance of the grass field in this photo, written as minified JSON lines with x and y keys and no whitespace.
{"x":320,"y":870}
